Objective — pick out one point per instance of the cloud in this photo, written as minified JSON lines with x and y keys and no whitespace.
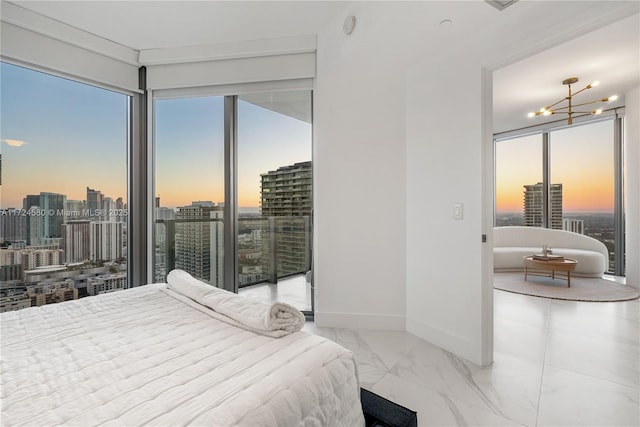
{"x":13,"y":142}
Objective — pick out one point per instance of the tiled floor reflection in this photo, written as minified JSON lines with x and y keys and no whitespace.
{"x":556,"y":363}
{"x":294,"y":290}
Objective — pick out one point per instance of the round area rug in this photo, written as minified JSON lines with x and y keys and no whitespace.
{"x":582,"y":288}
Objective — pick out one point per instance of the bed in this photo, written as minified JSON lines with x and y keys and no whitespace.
{"x":170,"y":355}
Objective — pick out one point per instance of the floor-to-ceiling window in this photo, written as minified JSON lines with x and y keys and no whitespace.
{"x":564,"y":178}
{"x":518,"y":168}
{"x":581,"y":160}
{"x":63,"y":184}
{"x":233,"y":175}
{"x":274,"y":196}
{"x":189,"y":185}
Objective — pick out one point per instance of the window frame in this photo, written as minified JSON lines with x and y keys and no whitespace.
{"x":136,"y":141}
{"x":617,"y":116}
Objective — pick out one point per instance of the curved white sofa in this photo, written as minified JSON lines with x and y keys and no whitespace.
{"x":511,"y":244}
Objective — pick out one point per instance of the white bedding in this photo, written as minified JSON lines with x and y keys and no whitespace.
{"x":150,"y":356}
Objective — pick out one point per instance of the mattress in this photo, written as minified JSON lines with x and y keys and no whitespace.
{"x":150,"y":356}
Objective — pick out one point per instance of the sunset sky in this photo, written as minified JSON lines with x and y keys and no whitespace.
{"x":71,"y":136}
{"x":581,"y":160}
{"x":60,"y":136}
{"x":190,"y":149}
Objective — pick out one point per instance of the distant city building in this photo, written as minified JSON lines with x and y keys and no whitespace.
{"x":30,"y":201}
{"x":52,"y":206}
{"x":106,"y":283}
{"x":161,"y":240}
{"x":50,"y":293}
{"x":165,"y":213}
{"x":286,"y":201}
{"x":94,"y":199}
{"x":79,"y":273}
{"x":11,"y":272}
{"x":74,"y":209}
{"x":13,"y":225}
{"x":574,"y":225}
{"x":45,"y":217}
{"x":35,"y":227}
{"x":533,"y":205}
{"x":77,"y":240}
{"x":32,"y":257}
{"x":199,"y":241}
{"x":106,"y":241}
{"x":287,"y":191}
{"x":14,"y":300}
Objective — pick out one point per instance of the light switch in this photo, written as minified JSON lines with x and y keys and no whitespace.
{"x":457,"y":211}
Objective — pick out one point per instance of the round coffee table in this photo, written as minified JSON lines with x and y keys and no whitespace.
{"x":565,"y":265}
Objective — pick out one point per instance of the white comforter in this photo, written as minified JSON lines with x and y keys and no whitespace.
{"x":149,"y":356}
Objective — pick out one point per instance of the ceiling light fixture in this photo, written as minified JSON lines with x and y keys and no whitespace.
{"x":568,"y":109}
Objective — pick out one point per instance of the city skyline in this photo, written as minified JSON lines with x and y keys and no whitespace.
{"x":50,"y":122}
{"x":56,"y":132}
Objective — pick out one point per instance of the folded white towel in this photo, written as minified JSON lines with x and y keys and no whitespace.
{"x":276,"y":319}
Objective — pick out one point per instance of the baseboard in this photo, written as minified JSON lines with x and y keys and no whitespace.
{"x":455,"y":344}
{"x":385,"y":322}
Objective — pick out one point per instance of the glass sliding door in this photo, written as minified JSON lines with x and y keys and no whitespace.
{"x":274,"y":177}
{"x":519,"y":178}
{"x":582,"y":162}
{"x":189,"y":186}
{"x":63,"y":183}
{"x":253,"y":152}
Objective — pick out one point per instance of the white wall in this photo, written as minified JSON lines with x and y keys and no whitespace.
{"x":359,"y":180}
{"x":400,"y":125}
{"x":632,"y":182}
{"x":444,"y":166}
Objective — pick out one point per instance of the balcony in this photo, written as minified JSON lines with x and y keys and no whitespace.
{"x":273,"y":254}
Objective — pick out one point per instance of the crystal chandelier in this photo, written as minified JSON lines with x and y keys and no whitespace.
{"x":558,"y":108}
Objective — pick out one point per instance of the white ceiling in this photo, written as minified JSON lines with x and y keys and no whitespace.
{"x":610,"y":55}
{"x":168,"y":24}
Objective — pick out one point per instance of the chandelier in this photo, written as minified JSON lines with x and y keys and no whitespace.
{"x":558,"y":108}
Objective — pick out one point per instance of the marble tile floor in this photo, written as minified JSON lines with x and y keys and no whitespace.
{"x":556,"y":363}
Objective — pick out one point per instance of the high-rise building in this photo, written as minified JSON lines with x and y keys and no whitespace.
{"x":94,"y":200}
{"x":35,"y":227}
{"x":32,"y":257}
{"x":52,"y":206}
{"x":77,"y":240}
{"x":30,"y":200}
{"x":286,"y":201}
{"x":574,"y":225}
{"x":13,"y":225}
{"x":106,"y":241}
{"x":108,"y":210}
{"x":287,"y":191}
{"x":199,"y":241}
{"x":533,"y":205}
{"x":106,"y":283}
{"x":50,"y":293}
{"x":165,"y":223}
